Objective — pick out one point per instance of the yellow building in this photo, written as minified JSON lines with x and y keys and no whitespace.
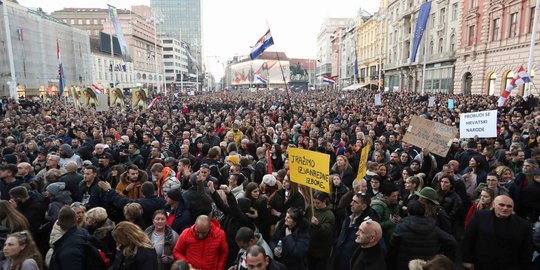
{"x":371,"y":45}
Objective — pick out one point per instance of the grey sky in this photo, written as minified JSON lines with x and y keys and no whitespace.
{"x":231,"y":27}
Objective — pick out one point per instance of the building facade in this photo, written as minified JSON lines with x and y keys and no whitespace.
{"x":103,"y":65}
{"x":371,"y":46}
{"x":175,"y":62}
{"x":139,"y":34}
{"x":494,"y":41}
{"x":34,"y":35}
{"x":438,"y":43}
{"x":325,"y":46}
{"x":182,"y":20}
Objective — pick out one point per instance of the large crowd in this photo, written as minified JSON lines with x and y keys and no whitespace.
{"x":203,"y":182}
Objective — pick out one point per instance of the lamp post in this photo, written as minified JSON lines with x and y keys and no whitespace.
{"x":13,"y":82}
{"x":156,"y":20}
{"x":382,"y":20}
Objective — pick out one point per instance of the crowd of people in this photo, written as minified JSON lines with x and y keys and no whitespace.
{"x":203,"y":182}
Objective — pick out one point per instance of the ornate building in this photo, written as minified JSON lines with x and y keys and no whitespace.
{"x":494,"y":42}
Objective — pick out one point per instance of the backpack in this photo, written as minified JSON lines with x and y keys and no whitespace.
{"x":95,"y":259}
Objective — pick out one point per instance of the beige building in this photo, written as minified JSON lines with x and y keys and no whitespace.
{"x":439,"y":45}
{"x":494,"y":42}
{"x":138,"y":32}
{"x":371,"y":45}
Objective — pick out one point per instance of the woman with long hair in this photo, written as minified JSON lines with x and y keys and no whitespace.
{"x":163,"y":237}
{"x":344,"y":169}
{"x":293,"y":232}
{"x":21,"y":253}
{"x":135,"y":250}
{"x":11,"y":220}
{"x":117,"y":98}
{"x":139,"y":100}
{"x":449,"y":199}
{"x":259,"y":203}
{"x":286,"y":198}
{"x":89,"y":98}
{"x":276,"y":157}
{"x":484,"y":202}
{"x":475,"y":174}
{"x":412,"y":185}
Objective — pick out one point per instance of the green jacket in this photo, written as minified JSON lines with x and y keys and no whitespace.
{"x":385,"y":211}
{"x":322,"y":234}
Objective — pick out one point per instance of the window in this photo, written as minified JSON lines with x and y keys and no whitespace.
{"x":454,"y":11}
{"x":472,"y":29}
{"x":513,"y":25}
{"x":496,"y":29}
{"x":441,"y":45}
{"x":431,"y":47}
{"x":452,"y":42}
{"x":442,"y":17}
{"x":95,"y":21}
{"x":79,"y":21}
{"x":474,"y":3}
{"x":87,"y":21}
{"x":531,"y":19}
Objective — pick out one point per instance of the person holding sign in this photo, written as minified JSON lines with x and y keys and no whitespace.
{"x":290,"y":242}
{"x":288,"y":197}
{"x":323,"y":225}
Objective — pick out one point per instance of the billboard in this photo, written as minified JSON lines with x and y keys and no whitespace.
{"x":246,"y":73}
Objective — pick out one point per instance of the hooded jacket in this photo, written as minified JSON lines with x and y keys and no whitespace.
{"x":419,"y":237}
{"x":134,"y":193}
{"x":167,"y":182}
{"x":69,"y":155}
{"x":295,"y":245}
{"x":206,"y":254}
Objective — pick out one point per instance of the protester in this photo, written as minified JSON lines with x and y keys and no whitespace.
{"x":21,"y":252}
{"x":135,"y":251}
{"x":369,"y":254}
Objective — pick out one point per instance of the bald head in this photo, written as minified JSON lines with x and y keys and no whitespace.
{"x":369,"y":233}
{"x":71,"y":166}
{"x":503,"y":206}
{"x":203,"y":225}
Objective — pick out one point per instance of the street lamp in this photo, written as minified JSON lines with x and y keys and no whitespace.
{"x":156,"y":20}
{"x":382,"y":20}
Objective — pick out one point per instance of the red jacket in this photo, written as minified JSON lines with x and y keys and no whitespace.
{"x":208,"y":254}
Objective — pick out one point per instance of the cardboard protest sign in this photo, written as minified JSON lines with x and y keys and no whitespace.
{"x":434,"y":136}
{"x":309,"y":168}
{"x":482,"y":124}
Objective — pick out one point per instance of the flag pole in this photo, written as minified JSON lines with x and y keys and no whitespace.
{"x":112,"y":47}
{"x":531,"y":48}
{"x":283,"y":76}
{"x":426,"y":37}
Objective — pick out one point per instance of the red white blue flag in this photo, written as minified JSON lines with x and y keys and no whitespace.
{"x":261,"y":45}
{"x":520,"y":78}
{"x":61,"y":82}
{"x":153,"y":103}
{"x":327,"y":79}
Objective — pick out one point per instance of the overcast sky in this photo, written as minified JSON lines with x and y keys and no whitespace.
{"x":231,"y":27}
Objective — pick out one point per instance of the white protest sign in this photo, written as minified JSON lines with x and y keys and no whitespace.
{"x":482,"y":124}
{"x":431,"y":102}
{"x":378,"y":100}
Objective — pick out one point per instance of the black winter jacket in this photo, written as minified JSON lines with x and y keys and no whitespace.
{"x":419,"y":237}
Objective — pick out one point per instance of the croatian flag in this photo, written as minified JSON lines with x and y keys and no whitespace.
{"x":261,"y":45}
{"x":327,"y":79}
{"x":97,"y":89}
{"x":61,"y":81}
{"x":519,"y":79}
{"x":153,"y":103}
{"x":261,"y":79}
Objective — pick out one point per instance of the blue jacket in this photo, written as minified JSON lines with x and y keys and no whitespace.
{"x":294,"y":246}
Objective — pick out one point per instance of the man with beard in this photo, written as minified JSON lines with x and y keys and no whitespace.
{"x":523,"y":179}
{"x":66,"y":155}
{"x":369,"y":254}
{"x":104,"y":166}
{"x":345,"y":244}
{"x":388,"y":210}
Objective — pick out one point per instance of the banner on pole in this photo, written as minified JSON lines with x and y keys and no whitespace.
{"x":362,"y":166}
{"x":309,"y":168}
{"x":434,"y":136}
{"x":482,"y":124}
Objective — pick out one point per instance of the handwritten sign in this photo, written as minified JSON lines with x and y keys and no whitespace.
{"x":434,"y":136}
{"x":309,"y":168}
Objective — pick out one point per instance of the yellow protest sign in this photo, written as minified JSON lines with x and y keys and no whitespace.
{"x":362,"y":167}
{"x":310,"y":169}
